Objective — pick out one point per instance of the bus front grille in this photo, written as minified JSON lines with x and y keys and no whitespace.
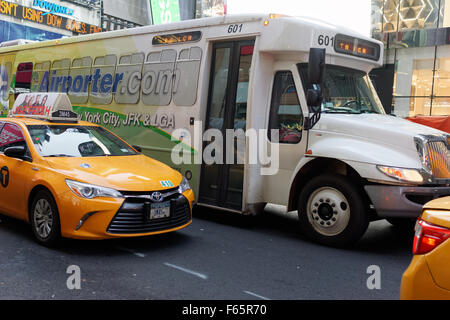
{"x":439,"y":159}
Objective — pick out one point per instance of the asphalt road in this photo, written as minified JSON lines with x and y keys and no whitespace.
{"x":219,"y":256}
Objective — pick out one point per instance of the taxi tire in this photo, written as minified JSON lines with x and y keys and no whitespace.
{"x":54,"y":236}
{"x":358,"y":221}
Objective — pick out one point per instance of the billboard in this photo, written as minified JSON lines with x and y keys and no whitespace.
{"x":136,"y":11}
{"x":165,"y":11}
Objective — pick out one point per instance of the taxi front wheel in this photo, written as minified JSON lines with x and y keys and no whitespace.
{"x":45,"y":219}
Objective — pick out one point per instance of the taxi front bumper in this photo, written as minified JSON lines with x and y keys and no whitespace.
{"x":105,"y":218}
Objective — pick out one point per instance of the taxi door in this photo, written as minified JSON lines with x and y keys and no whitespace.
{"x":15,"y":174}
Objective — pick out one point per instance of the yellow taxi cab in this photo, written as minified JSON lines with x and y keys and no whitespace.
{"x":75,"y":179}
{"x":428,"y":276}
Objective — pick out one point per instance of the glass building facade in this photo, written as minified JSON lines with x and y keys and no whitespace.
{"x":416,"y":34}
{"x":12,"y":31}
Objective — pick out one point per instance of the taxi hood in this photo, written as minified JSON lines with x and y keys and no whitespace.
{"x":123,"y":173}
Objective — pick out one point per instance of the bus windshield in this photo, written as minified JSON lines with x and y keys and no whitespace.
{"x":345,"y":91}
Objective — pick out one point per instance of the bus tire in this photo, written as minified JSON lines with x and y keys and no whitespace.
{"x":332,"y":211}
{"x":403,"y":224}
{"x":44,"y":218}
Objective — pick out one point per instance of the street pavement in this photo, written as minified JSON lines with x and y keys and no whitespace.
{"x":220,"y":256}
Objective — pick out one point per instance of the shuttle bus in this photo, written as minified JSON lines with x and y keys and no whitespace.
{"x":230,"y":102}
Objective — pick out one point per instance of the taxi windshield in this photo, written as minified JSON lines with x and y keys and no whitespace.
{"x":77,"y":141}
{"x":346,"y":90}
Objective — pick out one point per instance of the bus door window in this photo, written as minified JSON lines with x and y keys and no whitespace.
{"x":240,"y":116}
{"x":286,"y":114}
{"x":236,"y":170}
{"x":23,"y":78}
{"x":220,"y":80}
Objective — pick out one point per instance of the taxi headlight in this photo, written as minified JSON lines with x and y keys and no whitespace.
{"x":89,"y":191}
{"x":184,"y":186}
{"x":406,"y":175}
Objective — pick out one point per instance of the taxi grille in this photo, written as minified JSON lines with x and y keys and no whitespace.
{"x":132,"y":216}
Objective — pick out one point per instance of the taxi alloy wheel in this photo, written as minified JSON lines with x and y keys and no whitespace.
{"x":45,"y":218}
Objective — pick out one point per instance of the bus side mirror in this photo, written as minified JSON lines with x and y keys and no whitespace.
{"x":316,"y":72}
{"x":316,"y":66}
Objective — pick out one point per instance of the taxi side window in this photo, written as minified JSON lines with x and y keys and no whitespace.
{"x":11,"y":136}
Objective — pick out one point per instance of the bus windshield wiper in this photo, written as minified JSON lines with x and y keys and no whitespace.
{"x":342,"y":111}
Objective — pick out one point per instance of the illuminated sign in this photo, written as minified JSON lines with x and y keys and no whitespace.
{"x":45,"y":18}
{"x":52,"y":8}
{"x":47,"y":106}
{"x":357,"y":47}
{"x":166,"y":11}
{"x":177,"y":38}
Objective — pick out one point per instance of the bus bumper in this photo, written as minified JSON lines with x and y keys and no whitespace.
{"x":402,"y":201}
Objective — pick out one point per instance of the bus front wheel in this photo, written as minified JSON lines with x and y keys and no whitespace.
{"x":331,"y":211}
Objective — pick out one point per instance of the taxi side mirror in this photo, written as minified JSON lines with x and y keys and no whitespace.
{"x":19,"y":152}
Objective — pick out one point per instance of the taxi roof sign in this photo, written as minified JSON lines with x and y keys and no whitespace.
{"x":45,"y":106}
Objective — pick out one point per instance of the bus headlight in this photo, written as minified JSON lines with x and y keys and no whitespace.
{"x":89,"y":191}
{"x":184,"y":186}
{"x":401,"y":174}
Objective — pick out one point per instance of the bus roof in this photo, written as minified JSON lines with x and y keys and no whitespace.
{"x":299,"y":34}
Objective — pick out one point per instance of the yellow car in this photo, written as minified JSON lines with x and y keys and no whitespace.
{"x":428,"y":276}
{"x":75,"y":179}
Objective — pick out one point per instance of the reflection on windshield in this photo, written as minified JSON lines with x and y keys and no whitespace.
{"x":345,"y":91}
{"x":77,"y":141}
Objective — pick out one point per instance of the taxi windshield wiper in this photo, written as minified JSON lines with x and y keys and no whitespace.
{"x":62,"y":155}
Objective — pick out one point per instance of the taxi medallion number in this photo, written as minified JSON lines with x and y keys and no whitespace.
{"x":159,"y":210}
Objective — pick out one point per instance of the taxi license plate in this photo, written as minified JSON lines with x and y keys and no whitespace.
{"x":159,"y":210}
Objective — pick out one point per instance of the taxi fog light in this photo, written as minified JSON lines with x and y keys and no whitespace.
{"x":184,"y":186}
{"x":407,"y":175}
{"x":89,"y":191}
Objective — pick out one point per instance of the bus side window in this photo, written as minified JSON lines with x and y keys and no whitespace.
{"x":157,"y":79}
{"x":59,"y":76}
{"x":130,"y":66}
{"x":285,"y":113}
{"x":40,"y":77}
{"x":5,"y":85}
{"x":23,"y":77}
{"x":103,"y":79}
{"x":79,"y":73}
{"x":187,"y":73}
